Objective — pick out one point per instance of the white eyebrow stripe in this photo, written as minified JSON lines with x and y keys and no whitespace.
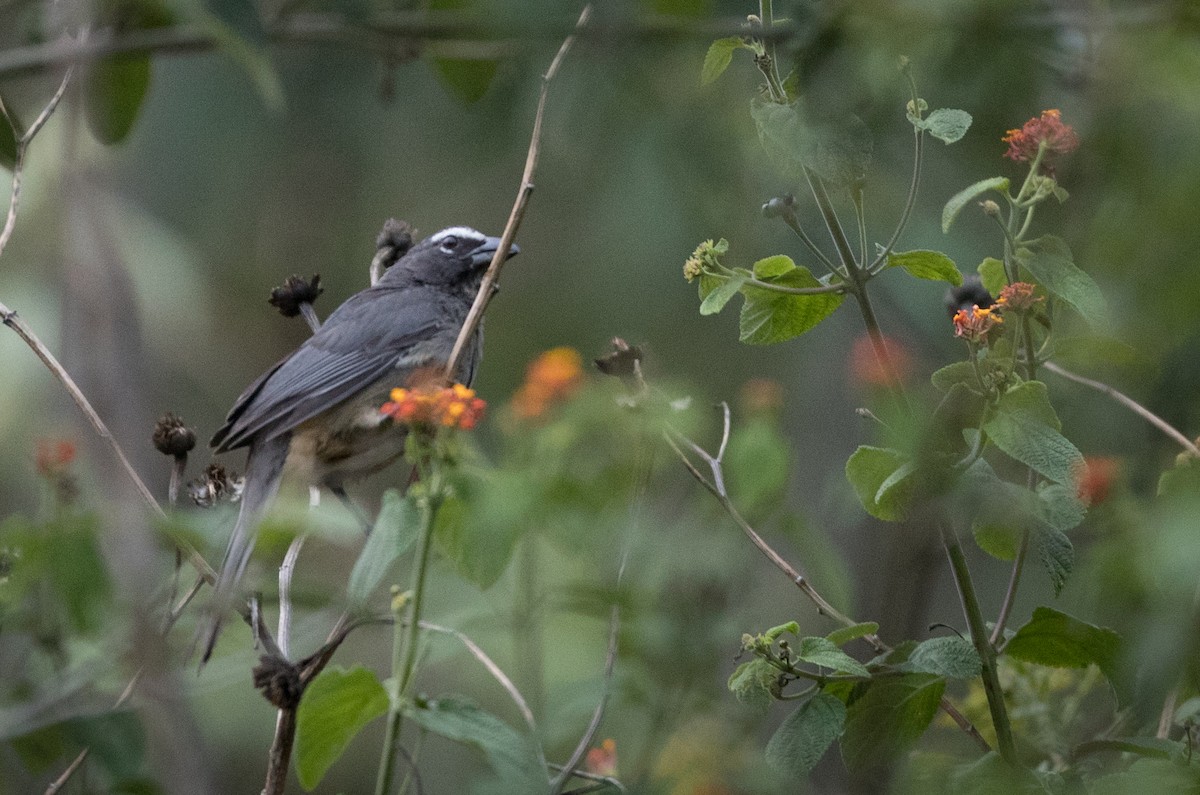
{"x":457,"y":231}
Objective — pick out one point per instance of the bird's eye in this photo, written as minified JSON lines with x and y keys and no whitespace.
{"x":449,"y":244}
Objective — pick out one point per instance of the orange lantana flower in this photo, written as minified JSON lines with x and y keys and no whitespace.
{"x":974,"y":324}
{"x":1047,"y":130}
{"x":450,"y":407}
{"x":551,"y":378}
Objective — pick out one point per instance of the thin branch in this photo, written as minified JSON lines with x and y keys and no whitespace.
{"x":1010,"y":595}
{"x":487,"y":286}
{"x":1129,"y":403}
{"x":286,"y":570}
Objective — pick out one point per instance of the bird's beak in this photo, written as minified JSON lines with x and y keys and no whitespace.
{"x":482,"y":256}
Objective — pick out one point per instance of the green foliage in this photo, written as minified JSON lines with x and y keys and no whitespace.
{"x":1049,"y":260}
{"x":337,"y":704}
{"x":769,"y":316}
{"x":869,"y":469}
{"x":514,"y":757}
{"x":946,"y":124}
{"x":757,"y":461}
{"x":951,"y":656}
{"x":115,"y":87}
{"x":1058,"y":640}
{"x":836,"y":150}
{"x":396,"y":529}
{"x":755,"y":683}
{"x":719,"y":55}
{"x":477,"y":530}
{"x":842,"y":636}
{"x":469,"y":79}
{"x":931,"y":265}
{"x":1023,"y":424}
{"x":805,"y":735}
{"x":826,"y":654}
{"x":716,"y":297}
{"x":965,"y":196}
{"x":888,"y":718}
{"x":993,"y":276}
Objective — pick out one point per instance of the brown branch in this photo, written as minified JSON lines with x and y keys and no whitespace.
{"x":1129,"y":403}
{"x":487,"y":286}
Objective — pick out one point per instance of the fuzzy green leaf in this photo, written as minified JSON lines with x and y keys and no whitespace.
{"x":717,"y":59}
{"x":931,"y":265}
{"x":512,"y":756}
{"x":991,"y":273}
{"x":1058,"y":640}
{"x":1023,"y":424}
{"x":888,"y":718}
{"x":718,"y":296}
{"x":955,"y":373}
{"x":770,"y":267}
{"x":337,"y":704}
{"x":964,"y":197}
{"x":805,"y":735}
{"x":839,"y":150}
{"x":1056,"y":553}
{"x":469,"y":79}
{"x":825,"y":653}
{"x":396,"y":529}
{"x":840,"y":637}
{"x":867,"y":470}
{"x":945,"y":124}
{"x":768,"y":316}
{"x":1049,"y":261}
{"x":755,"y":683}
{"x":951,"y":656}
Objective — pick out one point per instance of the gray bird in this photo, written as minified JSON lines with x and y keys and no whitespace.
{"x":316,"y":412}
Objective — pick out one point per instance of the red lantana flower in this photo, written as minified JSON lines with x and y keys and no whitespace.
{"x":974,"y":324}
{"x":54,"y":456}
{"x":1046,"y":130}
{"x":449,"y":407}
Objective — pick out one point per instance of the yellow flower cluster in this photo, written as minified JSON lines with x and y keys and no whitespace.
{"x":450,"y":407}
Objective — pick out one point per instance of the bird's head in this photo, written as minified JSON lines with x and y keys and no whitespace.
{"x":457,"y":255}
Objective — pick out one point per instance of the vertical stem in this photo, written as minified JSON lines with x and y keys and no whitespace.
{"x":404,"y":648}
{"x":979,"y":637}
{"x":527,"y":624}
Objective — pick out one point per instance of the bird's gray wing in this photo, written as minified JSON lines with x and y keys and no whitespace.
{"x":372,"y":333}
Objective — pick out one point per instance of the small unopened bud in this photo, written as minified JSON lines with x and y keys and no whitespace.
{"x":171,"y":437}
{"x":990,"y":208}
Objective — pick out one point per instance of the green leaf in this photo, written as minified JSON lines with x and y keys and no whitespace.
{"x":768,"y":316}
{"x":336,"y":705}
{"x":1001,"y":541}
{"x":945,"y":124}
{"x":114,"y":88}
{"x":1095,"y":352}
{"x":1061,"y":507}
{"x":513,"y":756}
{"x":964,"y":197}
{"x":951,"y":656}
{"x":467,"y":78}
{"x":867,"y":470}
{"x":1056,"y":553}
{"x":840,"y":637}
{"x":718,"y":296}
{"x":1049,"y":261}
{"x":770,"y":267}
{"x":1057,"y":640}
{"x":991,"y":273}
{"x":931,"y":265}
{"x":478,"y":529}
{"x":825,"y":653}
{"x":805,"y":735}
{"x":757,"y":461}
{"x":755,"y":683}
{"x":888,"y":718}
{"x":1023,"y":424}
{"x":396,"y":528}
{"x":1149,"y":747}
{"x":1181,"y":480}
{"x":117,"y":740}
{"x":955,"y":373}
{"x":717,"y":59}
{"x":772,"y":634}
{"x":839,"y":151}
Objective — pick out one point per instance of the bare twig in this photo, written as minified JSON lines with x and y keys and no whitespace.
{"x":286,"y":570}
{"x":1129,"y":403}
{"x":487,"y":286}
{"x":1011,"y":594}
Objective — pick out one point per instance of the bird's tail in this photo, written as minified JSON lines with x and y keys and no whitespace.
{"x":264,"y":470}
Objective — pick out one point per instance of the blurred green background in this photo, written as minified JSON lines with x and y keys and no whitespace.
{"x":145,"y":266}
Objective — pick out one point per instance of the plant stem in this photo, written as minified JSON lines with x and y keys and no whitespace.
{"x":1010,"y":595}
{"x":829,"y":214}
{"x":780,"y":288}
{"x":527,"y":623}
{"x":979,"y":637}
{"x":789,"y":218}
{"x":404,"y":649}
